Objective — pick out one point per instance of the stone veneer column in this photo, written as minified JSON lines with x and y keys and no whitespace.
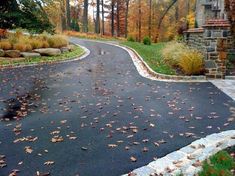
{"x":216,"y":39}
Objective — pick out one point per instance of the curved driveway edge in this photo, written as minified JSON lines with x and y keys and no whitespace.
{"x":188,"y":160}
{"x":147,"y":72}
{"x":104,"y":112}
{"x":82,"y":56}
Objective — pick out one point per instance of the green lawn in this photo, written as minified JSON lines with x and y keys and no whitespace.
{"x":219,"y":164}
{"x":152,"y":56}
{"x":44,"y":59}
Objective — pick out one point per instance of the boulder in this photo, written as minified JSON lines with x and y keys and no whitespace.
{"x":12,"y":53}
{"x":48,"y":51}
{"x":71,"y":47}
{"x":64,"y":49}
{"x":29,"y":55}
{"x":2,"y":53}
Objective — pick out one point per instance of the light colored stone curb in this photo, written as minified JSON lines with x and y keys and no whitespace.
{"x":139,"y":61}
{"x":84,"y":55}
{"x":188,"y":160}
{"x":145,"y":71}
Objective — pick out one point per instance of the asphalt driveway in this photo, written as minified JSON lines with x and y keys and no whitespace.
{"x":89,"y":117}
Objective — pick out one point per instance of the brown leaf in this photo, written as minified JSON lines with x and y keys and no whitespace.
{"x":49,"y":163}
{"x":112,"y":145}
{"x":28,"y":149}
{"x":133,"y":159}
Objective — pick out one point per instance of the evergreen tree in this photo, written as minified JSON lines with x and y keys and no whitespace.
{"x":10,"y":14}
{"x":27,"y":14}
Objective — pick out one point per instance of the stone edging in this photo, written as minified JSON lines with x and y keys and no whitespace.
{"x":156,"y":76}
{"x":75,"y":58}
{"x":188,"y":160}
{"x":145,"y":71}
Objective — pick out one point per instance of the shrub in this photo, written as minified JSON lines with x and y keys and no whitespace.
{"x":130,"y":39}
{"x":178,"y":55}
{"x":44,"y":36}
{"x":35,"y":43}
{"x":179,"y":38}
{"x":45,"y":44}
{"x":12,"y":38}
{"x":171,"y":53}
{"x":3,"y":33}
{"x":191,"y":62}
{"x":5,"y":45}
{"x":22,"y":47}
{"x":28,"y":47}
{"x":57,"y":41}
{"x":18,"y":33}
{"x":147,"y":40}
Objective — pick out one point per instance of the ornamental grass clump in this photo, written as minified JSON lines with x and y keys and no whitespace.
{"x":35,"y":43}
{"x":191,"y":62}
{"x":172,"y":53}
{"x":23,"y":47}
{"x":57,"y":41}
{"x":5,"y":45}
{"x":178,"y":55}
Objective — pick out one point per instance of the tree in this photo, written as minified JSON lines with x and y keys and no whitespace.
{"x":102,"y":4}
{"x":10,"y":14}
{"x":97,"y":25}
{"x":163,"y":16}
{"x":68,"y":15}
{"x":85,"y":16}
{"x":112,"y":17}
{"x":126,"y":17}
{"x":28,"y":14}
{"x":139,"y":20}
{"x":118,"y":18}
{"x":150,"y":18}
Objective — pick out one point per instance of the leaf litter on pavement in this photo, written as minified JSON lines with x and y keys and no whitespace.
{"x":124,"y":121}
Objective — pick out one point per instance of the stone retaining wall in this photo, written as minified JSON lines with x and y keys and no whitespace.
{"x":215,"y":41}
{"x":188,"y":160}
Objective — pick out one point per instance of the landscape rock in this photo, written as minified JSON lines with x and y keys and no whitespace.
{"x":2,"y":53}
{"x":48,"y":51}
{"x":12,"y":53}
{"x":29,"y":55}
{"x":64,"y":49}
{"x":71,"y":47}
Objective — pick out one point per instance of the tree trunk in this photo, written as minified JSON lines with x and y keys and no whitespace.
{"x":68,"y":14}
{"x":112,"y":17}
{"x":162,"y":18}
{"x":62,"y":16}
{"x":97,"y":25}
{"x":139,"y":21}
{"x":177,"y":13}
{"x":118,"y":18}
{"x":150,"y":18}
{"x":85,"y":16}
{"x":126,"y":17}
{"x":102,"y":17}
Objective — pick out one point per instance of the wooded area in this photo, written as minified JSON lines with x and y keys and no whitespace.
{"x":157,"y":19}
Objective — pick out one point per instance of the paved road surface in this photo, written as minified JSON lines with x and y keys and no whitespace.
{"x":101,"y":100}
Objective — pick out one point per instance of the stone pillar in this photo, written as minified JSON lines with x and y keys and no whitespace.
{"x":216,"y":37}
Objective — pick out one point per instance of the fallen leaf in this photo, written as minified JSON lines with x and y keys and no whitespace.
{"x":133,"y":159}
{"x":28,"y":149}
{"x":49,"y":163}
